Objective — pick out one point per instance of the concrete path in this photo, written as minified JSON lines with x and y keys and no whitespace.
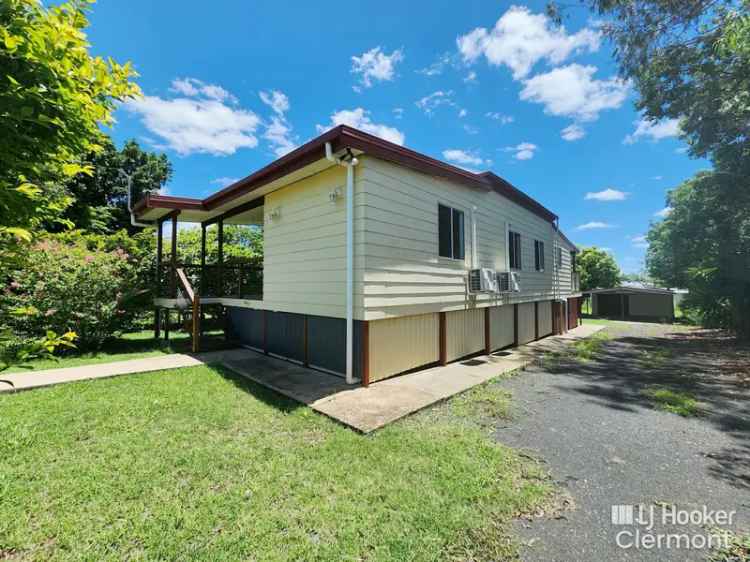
{"x":368,"y":409}
{"x":606,"y":444}
{"x":364,"y":409}
{"x":48,"y":377}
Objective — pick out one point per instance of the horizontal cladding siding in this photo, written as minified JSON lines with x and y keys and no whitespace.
{"x":403,"y":274}
{"x":464,"y":333}
{"x":305,"y":247}
{"x":502,"y":330}
{"x":565,"y":270}
{"x":401,"y":344}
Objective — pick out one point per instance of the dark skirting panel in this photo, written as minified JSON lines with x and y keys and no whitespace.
{"x":285,"y":336}
{"x":246,"y":325}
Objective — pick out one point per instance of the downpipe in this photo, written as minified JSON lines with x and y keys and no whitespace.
{"x":349,"y":164}
{"x":133,"y":222}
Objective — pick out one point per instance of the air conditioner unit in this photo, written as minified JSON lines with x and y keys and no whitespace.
{"x":503,"y":282}
{"x":482,"y":281}
{"x":515,"y":282}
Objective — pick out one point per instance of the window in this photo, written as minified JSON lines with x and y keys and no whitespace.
{"x":558,"y":257}
{"x":450,"y":232}
{"x":514,"y":248}
{"x":539,"y":255}
{"x":573,"y":264}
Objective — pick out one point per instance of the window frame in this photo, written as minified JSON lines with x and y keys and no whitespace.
{"x":515,"y":251}
{"x":559,"y":257}
{"x":539,"y":256}
{"x":454,"y":212}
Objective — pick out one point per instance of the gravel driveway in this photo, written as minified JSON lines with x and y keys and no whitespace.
{"x":606,"y":443}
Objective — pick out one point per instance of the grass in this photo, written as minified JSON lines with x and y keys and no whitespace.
{"x":680,"y":403}
{"x":136,"y":345}
{"x":738,"y":550}
{"x":198,"y":464}
{"x":582,"y":350}
{"x":655,"y":358}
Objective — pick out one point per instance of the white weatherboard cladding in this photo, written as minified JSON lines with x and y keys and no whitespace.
{"x":403,"y":273}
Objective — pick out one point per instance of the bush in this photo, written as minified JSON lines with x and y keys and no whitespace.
{"x":75,"y":283}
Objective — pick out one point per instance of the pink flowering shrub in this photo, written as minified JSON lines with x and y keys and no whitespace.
{"x":67,"y":286}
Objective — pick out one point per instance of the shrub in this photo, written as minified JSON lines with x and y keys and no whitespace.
{"x":72,"y":284}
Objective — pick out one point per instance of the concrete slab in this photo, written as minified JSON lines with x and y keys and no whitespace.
{"x":383,"y":402}
{"x":48,"y":377}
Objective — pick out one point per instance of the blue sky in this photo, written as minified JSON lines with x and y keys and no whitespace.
{"x":230,"y":85}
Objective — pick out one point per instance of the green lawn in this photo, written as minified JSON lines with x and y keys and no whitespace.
{"x":196,"y":464}
{"x":136,"y":345}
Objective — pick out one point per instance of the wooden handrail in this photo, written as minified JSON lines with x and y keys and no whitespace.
{"x":195,"y":300}
{"x":186,"y":286}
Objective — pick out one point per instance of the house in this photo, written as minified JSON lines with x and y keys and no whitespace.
{"x":633,"y":301}
{"x":367,"y":251}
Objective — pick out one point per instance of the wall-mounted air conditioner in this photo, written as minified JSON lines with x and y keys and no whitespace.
{"x":503,"y":282}
{"x":482,"y":281}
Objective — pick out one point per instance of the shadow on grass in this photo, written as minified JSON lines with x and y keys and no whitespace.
{"x":261,"y":393}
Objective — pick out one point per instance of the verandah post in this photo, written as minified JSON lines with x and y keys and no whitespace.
{"x":202,"y":275}
{"x":173,"y":258}
{"x":221,"y":257}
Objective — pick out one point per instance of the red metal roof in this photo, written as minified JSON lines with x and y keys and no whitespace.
{"x":341,"y":137}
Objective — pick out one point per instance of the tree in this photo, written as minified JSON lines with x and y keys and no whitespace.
{"x":598,"y":269}
{"x":704,"y":246}
{"x":688,"y":60}
{"x":100,"y":197}
{"x":54,"y":96}
{"x":242,"y":244}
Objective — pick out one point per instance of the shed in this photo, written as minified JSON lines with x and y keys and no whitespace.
{"x":649,"y":304}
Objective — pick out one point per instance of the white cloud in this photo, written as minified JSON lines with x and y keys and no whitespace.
{"x":375,"y":66}
{"x":437,"y":67}
{"x":224,"y":181}
{"x":360,"y":119}
{"x":573,"y":132}
{"x":470,"y":130}
{"x":192,"y":87}
{"x":462,"y":157}
{"x":471,"y":77}
{"x":657,"y":178}
{"x":276,"y":100}
{"x":681,"y":150}
{"x":571,"y":91}
{"x":665,"y":212}
{"x":523,"y":151}
{"x":504,"y":119}
{"x":520,"y":39}
{"x":203,"y":122}
{"x":278,"y":131}
{"x":608,"y":194}
{"x":429,"y":103}
{"x":639,"y":241}
{"x":279,"y":135}
{"x":398,"y":112}
{"x":593,"y":225}
{"x":462,"y":112}
{"x":655,"y":130}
